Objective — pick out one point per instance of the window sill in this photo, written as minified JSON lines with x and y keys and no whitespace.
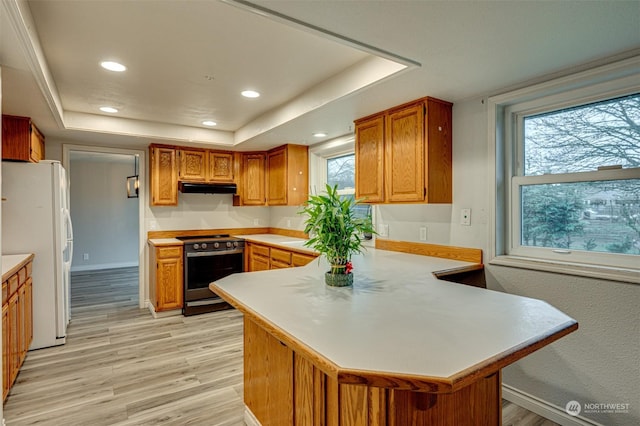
{"x":567,"y":268}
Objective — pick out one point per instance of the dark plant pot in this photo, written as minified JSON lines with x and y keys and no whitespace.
{"x":338,"y":280}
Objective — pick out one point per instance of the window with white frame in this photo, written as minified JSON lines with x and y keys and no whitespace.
{"x":341,"y":171}
{"x":572,"y":177}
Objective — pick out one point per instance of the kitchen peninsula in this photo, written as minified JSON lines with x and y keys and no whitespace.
{"x":399,"y":347}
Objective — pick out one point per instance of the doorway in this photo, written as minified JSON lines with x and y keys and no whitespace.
{"x":109,"y":228}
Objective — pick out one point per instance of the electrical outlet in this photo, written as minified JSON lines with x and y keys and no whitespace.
{"x":383,"y":230}
{"x":288,"y":223}
{"x":423,"y":233}
{"x":85,"y":256}
{"x":465,"y":217}
{"x":256,"y":222}
{"x":153,"y":225}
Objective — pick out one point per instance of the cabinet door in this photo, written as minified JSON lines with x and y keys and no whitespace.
{"x":404,"y":155}
{"x":193,"y":165}
{"x":164,"y":176}
{"x":220,"y":166}
{"x":277,"y":177}
{"x":268,"y":376}
{"x":169,"y":283}
{"x":369,"y":150}
{"x":6,"y":341}
{"x":438,"y":178}
{"x":22,"y":324}
{"x":299,"y":259}
{"x":37,"y":145}
{"x":14,"y":339}
{"x":253,"y":179}
{"x":28,"y":313}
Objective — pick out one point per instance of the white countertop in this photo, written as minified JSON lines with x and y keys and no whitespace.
{"x":164,"y":241}
{"x":10,"y":261}
{"x":279,"y":240}
{"x":397,"y":317}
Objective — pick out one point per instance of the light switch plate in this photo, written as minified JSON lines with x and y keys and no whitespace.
{"x":465,"y":217}
{"x":383,"y":230}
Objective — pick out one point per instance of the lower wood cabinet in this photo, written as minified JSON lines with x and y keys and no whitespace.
{"x":261,"y":257}
{"x":166,"y":277}
{"x":17,"y":323}
{"x":285,"y":387}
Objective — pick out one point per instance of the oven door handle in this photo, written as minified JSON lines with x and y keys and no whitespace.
{"x":215,"y":253}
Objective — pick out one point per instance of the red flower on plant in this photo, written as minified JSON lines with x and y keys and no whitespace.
{"x":348,"y":268}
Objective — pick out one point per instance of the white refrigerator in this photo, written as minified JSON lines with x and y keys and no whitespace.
{"x":35,"y":219}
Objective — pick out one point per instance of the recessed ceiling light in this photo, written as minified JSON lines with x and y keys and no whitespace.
{"x":108,"y":109}
{"x":320,"y":134}
{"x":209,"y":123}
{"x":113,"y":66}
{"x":250,"y":94}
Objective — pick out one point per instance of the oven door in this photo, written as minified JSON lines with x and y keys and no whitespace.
{"x":201,"y":268}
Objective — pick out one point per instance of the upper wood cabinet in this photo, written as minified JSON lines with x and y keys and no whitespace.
{"x":200,"y":165}
{"x":193,"y":165}
{"x":279,"y":177}
{"x":170,"y":164}
{"x":164,"y":175}
{"x":287,"y":175}
{"x":369,"y":157}
{"x":403,"y":155}
{"x":251,"y":171}
{"x":21,"y":139}
{"x":220,"y":166}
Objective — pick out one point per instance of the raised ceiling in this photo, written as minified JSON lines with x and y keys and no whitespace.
{"x":319,"y":65}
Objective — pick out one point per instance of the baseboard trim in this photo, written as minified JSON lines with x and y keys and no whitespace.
{"x":163,"y":314}
{"x":249,"y":418}
{"x":544,"y":408}
{"x":101,"y":266}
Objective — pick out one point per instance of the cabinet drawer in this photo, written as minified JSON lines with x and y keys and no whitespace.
{"x":276,"y":264}
{"x":281,"y":256}
{"x":13,"y":284}
{"x":259,"y":250}
{"x":29,"y":266}
{"x":5,"y":292}
{"x":168,"y":252}
{"x":298,"y":259}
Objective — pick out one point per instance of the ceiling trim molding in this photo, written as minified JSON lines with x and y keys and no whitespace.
{"x":145,"y":129}
{"x":22,"y":21}
{"x":282,"y":18}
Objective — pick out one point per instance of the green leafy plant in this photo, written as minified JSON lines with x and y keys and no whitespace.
{"x":334,"y":230}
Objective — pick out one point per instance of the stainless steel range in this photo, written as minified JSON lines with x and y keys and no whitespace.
{"x":206,"y":259}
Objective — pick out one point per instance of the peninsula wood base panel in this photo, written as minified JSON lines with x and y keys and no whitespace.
{"x":282,"y":387}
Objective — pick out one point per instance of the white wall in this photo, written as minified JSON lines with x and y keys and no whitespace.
{"x":105,"y":221}
{"x":205,"y":211}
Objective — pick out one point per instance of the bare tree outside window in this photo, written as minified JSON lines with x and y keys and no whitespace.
{"x":592,"y":215}
{"x":341,"y":171}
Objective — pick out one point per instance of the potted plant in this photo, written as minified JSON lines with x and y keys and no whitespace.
{"x":335,"y":233}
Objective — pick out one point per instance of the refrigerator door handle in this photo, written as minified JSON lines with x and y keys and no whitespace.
{"x":69,"y":236}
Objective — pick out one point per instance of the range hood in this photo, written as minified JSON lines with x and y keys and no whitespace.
{"x":207,"y":188}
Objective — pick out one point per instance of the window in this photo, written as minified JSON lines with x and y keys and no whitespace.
{"x":341,"y":171}
{"x":571,"y":175}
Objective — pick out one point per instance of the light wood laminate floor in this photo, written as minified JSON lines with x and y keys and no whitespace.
{"x":121,"y":366}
